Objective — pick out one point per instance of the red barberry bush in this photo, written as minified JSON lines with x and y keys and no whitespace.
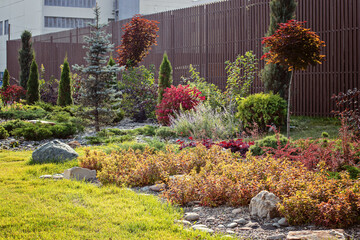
{"x":12,"y":94}
{"x":176,"y":99}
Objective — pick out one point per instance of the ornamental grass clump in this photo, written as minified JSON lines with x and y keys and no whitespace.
{"x":204,"y":122}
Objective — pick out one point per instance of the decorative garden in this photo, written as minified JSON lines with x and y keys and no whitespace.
{"x":201,"y":145}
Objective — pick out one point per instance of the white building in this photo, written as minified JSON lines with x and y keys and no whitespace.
{"x":46,"y":16}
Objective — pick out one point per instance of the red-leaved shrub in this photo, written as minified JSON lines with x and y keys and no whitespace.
{"x":12,"y":94}
{"x":176,"y":99}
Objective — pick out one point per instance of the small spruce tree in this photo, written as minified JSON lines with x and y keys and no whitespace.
{"x":275,"y":77}
{"x":6,"y":80}
{"x":26,"y":56}
{"x":65,"y":94}
{"x":33,"y":84}
{"x":165,"y":77}
{"x":97,"y":93}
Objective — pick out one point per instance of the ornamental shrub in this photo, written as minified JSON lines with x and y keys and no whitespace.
{"x":6,"y":80}
{"x":3,"y":133}
{"x":26,"y":56}
{"x":268,"y":142}
{"x":262,"y":109}
{"x":33,"y":84}
{"x":12,"y":94}
{"x":165,"y":76}
{"x":64,"y":93}
{"x":176,"y":99}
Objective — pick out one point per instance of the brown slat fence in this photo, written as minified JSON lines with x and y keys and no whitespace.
{"x":208,"y":35}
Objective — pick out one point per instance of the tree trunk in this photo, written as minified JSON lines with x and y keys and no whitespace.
{"x":289,"y":105}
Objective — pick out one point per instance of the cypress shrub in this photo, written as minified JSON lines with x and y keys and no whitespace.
{"x":26,"y":56}
{"x":64,"y":94}
{"x":6,"y":80}
{"x":165,"y":77}
{"x":33,"y":86}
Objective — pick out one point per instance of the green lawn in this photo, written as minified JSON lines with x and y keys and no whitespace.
{"x":305,"y":127}
{"x":33,"y":208}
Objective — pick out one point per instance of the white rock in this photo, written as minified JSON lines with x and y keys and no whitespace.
{"x":230,"y":232}
{"x":276,"y":237}
{"x":264,"y":205}
{"x":191,"y":216}
{"x":79,"y":173}
{"x":221,"y":226}
{"x":320,"y":234}
{"x":208,"y":230}
{"x":232,"y":225}
{"x":183,"y":222}
{"x":197,"y":226}
{"x":46,"y":176}
{"x":197,"y":209}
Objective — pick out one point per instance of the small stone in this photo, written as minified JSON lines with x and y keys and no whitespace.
{"x":268,"y":226}
{"x":46,"y":176}
{"x":74,"y":144}
{"x":320,"y":234}
{"x":290,"y":228}
{"x":79,"y":173}
{"x":230,"y":232}
{"x":145,"y":189}
{"x":158,"y":187}
{"x":208,"y":230}
{"x":210,"y":219}
{"x":245,"y":228}
{"x":197,"y":209}
{"x":227,"y":236}
{"x":252,"y":225}
{"x":183,"y":222}
{"x":282,"y":222}
{"x":58,"y":176}
{"x":221,"y":226}
{"x":276,"y":225}
{"x":241,"y":221}
{"x":236,"y":211}
{"x":232,"y":225}
{"x":191,"y":216}
{"x":197,"y":226}
{"x":276,"y":237}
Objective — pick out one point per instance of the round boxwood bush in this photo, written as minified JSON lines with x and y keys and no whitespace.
{"x":262,"y":109}
{"x":268,"y":142}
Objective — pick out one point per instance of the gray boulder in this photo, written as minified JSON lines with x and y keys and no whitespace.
{"x":54,"y":151}
{"x":264,"y":205}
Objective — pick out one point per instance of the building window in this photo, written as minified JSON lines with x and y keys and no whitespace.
{"x":1,"y":28}
{"x":6,"y":27}
{"x":63,"y":22}
{"x":71,"y":3}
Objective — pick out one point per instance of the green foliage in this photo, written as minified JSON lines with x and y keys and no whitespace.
{"x":111,"y":61}
{"x":325,"y":135}
{"x":147,"y":130}
{"x":276,"y":78}
{"x":64,"y":93}
{"x":268,"y":142}
{"x":262,"y":109}
{"x":213,"y":95}
{"x":3,"y":133}
{"x":29,"y":114}
{"x":97,"y":85}
{"x":39,"y":131}
{"x":6,"y":79}
{"x":138,"y":93}
{"x":26,"y":56}
{"x":204,"y":122}
{"x":33,"y":85}
{"x":165,"y":77}
{"x":165,"y":133}
{"x":241,"y":74}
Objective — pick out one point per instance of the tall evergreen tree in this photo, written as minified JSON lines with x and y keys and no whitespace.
{"x":276,"y":78}
{"x":33,"y":84}
{"x":165,"y":76}
{"x":96,"y":91}
{"x":6,"y":79}
{"x":26,"y":56}
{"x":64,"y":93}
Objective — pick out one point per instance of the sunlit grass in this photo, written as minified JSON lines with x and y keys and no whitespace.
{"x":33,"y":208}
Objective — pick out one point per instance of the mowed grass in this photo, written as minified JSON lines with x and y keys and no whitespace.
{"x":312,"y":127}
{"x":33,"y":208}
